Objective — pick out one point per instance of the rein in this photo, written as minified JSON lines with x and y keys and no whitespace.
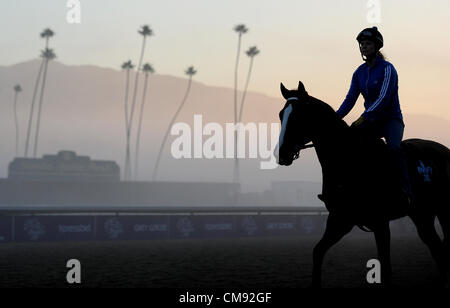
{"x":302,"y":147}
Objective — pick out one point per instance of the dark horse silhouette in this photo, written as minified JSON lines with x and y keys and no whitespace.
{"x":360,"y":183}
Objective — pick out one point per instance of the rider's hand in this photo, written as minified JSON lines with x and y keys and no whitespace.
{"x":358,"y":122}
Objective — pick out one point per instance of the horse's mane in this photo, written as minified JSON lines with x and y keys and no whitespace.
{"x":328,"y":112}
{"x":356,"y":141}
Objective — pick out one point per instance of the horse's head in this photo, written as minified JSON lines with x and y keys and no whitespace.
{"x":296,"y":120}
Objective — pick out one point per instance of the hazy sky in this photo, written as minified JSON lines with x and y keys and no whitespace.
{"x":309,"y":40}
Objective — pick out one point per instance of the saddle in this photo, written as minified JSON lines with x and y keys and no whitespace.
{"x":364,"y":190}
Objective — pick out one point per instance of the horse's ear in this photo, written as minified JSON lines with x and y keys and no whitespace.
{"x":284,"y":91}
{"x":301,"y":89}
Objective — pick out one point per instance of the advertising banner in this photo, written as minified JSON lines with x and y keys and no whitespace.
{"x":213,"y":226}
{"x":311,"y":224}
{"x":249,"y":225}
{"x":54,"y":228}
{"x":132,"y":227}
{"x":5,"y":229}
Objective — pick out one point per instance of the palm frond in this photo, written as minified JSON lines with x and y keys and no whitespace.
{"x":48,"y":54}
{"x":17,"y":88}
{"x":252,"y":51}
{"x":191,"y":71}
{"x":145,"y":30}
{"x":148,"y":68}
{"x":127,"y":65}
{"x":47,"y":33}
{"x":241,"y":29}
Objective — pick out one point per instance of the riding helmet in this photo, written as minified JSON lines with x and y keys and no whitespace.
{"x":371,"y":34}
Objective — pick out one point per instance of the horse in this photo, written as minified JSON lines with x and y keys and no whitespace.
{"x":360,"y":184}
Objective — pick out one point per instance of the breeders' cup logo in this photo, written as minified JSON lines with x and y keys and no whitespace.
{"x":34,"y":228}
{"x":425,"y":171}
{"x":307,"y":224}
{"x":113,"y":227}
{"x":185,"y":226}
{"x":249,"y":225}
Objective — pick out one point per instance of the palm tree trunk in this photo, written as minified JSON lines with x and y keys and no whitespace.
{"x":133,"y":103}
{"x":16,"y":122}
{"x":245,"y":89}
{"x":30,"y":119}
{"x":127,"y":85}
{"x":127,"y":159}
{"x":138,"y":137}
{"x":155,"y":171}
{"x":41,"y":99}
{"x":237,"y":166}
{"x":236,"y":163}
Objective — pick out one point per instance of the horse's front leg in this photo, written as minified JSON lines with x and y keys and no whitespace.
{"x":336,"y":228}
{"x":383,"y":240}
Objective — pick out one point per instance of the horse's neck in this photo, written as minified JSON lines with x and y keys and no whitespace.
{"x":333,"y":148}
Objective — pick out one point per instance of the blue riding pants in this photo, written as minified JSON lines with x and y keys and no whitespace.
{"x":392,"y":131}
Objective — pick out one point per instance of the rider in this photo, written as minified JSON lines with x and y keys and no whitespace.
{"x":377,"y":81}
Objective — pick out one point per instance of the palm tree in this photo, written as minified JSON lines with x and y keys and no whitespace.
{"x":240,"y":29}
{"x":30,"y":119}
{"x":147,"y":69}
{"x":190,"y":72}
{"x":127,"y":66}
{"x":251,"y":52}
{"x":46,"y":34}
{"x":17,"y":90}
{"x":47,"y":55}
{"x":144,"y":31}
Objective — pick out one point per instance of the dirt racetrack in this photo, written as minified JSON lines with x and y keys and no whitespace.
{"x":270,"y":262}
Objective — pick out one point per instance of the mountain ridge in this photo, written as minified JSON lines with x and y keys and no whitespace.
{"x":83,"y":111}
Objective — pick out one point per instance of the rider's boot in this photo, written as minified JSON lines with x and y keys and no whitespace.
{"x":407,"y":196}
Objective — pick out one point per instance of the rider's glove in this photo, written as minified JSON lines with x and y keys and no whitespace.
{"x":358,"y":122}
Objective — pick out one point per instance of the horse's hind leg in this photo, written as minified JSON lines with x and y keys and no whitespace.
{"x":444,"y":221}
{"x":336,"y":228}
{"x":428,"y":234}
{"x":445,"y":224}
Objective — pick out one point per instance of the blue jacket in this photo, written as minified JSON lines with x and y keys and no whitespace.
{"x":379,"y":86}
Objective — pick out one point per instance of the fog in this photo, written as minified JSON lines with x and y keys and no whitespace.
{"x":83,"y":112}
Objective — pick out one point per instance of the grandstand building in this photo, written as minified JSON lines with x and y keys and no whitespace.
{"x":65,"y":166}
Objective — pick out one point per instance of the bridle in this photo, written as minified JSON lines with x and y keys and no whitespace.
{"x":306,"y":146}
{"x":301,"y":147}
